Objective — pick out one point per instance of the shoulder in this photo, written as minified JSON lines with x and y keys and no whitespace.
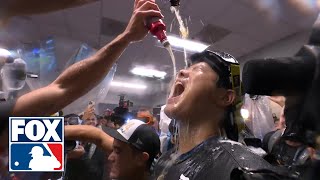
{"x":243,"y":156}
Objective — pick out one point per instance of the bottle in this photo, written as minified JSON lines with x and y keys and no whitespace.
{"x":175,"y":2}
{"x":158,"y":29}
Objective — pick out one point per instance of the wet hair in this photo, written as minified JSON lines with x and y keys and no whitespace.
{"x":217,"y":61}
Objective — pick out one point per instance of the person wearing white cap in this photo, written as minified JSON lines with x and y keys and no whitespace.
{"x":133,"y":147}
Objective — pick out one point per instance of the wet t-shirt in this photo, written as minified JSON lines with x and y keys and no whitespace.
{"x":213,"y":159}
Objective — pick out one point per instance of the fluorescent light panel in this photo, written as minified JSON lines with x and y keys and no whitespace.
{"x":141,"y":71}
{"x":4,"y":52}
{"x":187,"y":44}
{"x":128,"y":85}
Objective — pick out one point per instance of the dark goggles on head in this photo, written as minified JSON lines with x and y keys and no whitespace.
{"x":225,"y":65}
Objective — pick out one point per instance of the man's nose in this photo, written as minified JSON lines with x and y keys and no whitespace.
{"x":183,"y":73}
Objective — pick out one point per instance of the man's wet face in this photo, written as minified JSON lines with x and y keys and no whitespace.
{"x":193,"y":91}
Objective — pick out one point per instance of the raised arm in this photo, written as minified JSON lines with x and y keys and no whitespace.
{"x":81,"y":77}
{"x":89,"y":134}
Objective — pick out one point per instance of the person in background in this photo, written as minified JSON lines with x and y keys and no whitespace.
{"x":107,"y":118}
{"x":78,"y":152}
{"x":101,"y":120}
{"x":156,"y":125}
{"x":110,"y":123}
{"x":172,"y":141}
{"x":91,"y":164}
{"x":280,"y":100}
{"x":133,"y":147}
{"x":145,"y":116}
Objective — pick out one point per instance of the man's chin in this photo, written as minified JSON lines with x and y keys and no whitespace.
{"x":168,"y":110}
{"x":172,"y":111}
{"x":113,"y":175}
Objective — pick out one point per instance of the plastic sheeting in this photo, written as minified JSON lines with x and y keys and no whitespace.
{"x":259,"y":119}
{"x":164,"y":128}
{"x":41,"y":60}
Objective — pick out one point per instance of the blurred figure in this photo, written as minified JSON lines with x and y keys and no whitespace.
{"x":164,"y":130}
{"x":290,"y":153}
{"x":72,"y":119}
{"x":156,"y":125}
{"x":102,"y":121}
{"x":78,"y":151}
{"x":145,"y":116}
{"x":91,"y":163}
{"x":280,"y":100}
{"x":91,"y":120}
{"x":89,"y":117}
{"x":110,"y":123}
{"x":172,"y":141}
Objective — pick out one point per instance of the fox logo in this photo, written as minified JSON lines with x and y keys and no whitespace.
{"x":36,"y":144}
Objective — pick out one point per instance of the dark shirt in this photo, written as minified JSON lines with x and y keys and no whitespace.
{"x":85,"y":168}
{"x":213,"y":159}
{"x":6,"y":108}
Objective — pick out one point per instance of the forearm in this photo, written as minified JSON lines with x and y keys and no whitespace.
{"x":89,"y":134}
{"x":78,"y":79}
{"x":84,"y":75}
{"x":29,"y":7}
{"x":73,"y":83}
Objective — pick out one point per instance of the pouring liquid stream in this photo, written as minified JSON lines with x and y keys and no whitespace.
{"x":184,"y":32}
{"x":173,"y":59}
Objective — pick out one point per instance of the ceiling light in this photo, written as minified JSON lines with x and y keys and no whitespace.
{"x":4,"y":52}
{"x":141,"y":71}
{"x":189,"y":45}
{"x":128,"y":85}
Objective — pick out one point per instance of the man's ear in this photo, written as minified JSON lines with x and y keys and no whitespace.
{"x":228,"y":98}
{"x":143,"y":158}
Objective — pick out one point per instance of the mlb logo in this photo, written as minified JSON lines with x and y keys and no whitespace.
{"x":36,"y":144}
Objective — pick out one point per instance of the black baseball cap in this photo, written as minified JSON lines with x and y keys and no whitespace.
{"x":225,"y":65}
{"x":219,"y":61}
{"x":138,"y":134}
